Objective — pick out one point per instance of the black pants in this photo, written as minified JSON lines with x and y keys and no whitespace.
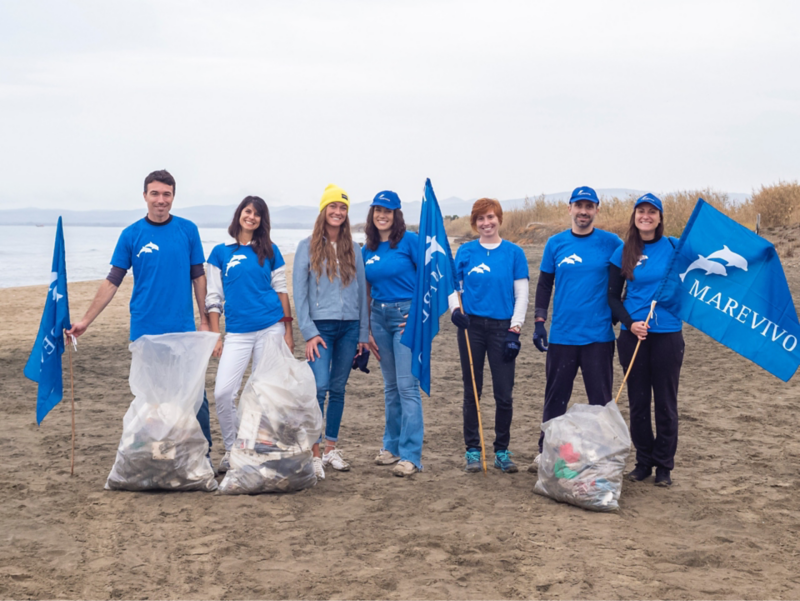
{"x":657,"y":368}
{"x":487,"y":337}
{"x":596,"y":361}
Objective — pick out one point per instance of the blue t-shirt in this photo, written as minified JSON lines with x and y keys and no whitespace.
{"x":581,"y":314}
{"x":161,"y":257}
{"x":488,"y":276}
{"x":251,"y":304}
{"x":647,"y":276}
{"x":392,"y":272}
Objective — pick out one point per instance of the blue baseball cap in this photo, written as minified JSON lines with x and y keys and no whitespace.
{"x":650,"y":199}
{"x":387,"y":199}
{"x":584,"y":193}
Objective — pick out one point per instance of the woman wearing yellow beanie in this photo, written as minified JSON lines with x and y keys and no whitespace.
{"x":330,"y":297}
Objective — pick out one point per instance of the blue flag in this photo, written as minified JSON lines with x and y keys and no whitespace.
{"x":44,"y":364}
{"x":728,"y":282}
{"x":435,"y":282}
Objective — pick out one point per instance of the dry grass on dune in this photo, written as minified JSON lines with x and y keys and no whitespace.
{"x":778,"y":204}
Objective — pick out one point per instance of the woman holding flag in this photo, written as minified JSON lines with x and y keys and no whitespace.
{"x":493,"y":276}
{"x":390,"y":263}
{"x":642,"y":262}
{"x":248,"y":277}
{"x":330,"y":298}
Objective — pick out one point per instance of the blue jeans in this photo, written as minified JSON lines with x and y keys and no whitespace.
{"x":332,"y":369}
{"x":404,"y":429}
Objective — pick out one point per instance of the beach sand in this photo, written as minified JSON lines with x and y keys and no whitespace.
{"x":728,"y":528}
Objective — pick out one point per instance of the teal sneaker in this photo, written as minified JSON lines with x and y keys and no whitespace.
{"x":502,"y":461}
{"x":473,"y":457}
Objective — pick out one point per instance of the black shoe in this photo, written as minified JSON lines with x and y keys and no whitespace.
{"x":662,"y":477}
{"x":640,"y":473}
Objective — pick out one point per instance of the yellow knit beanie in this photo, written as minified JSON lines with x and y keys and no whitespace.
{"x":333,"y":193}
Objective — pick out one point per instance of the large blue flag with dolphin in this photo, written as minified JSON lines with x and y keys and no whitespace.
{"x":44,"y":364}
{"x":435,"y":282}
{"x":729,"y":283}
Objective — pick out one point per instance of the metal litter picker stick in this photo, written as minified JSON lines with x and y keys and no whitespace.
{"x":474,"y":389}
{"x":636,"y":350}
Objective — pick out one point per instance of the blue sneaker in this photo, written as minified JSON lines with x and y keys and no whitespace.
{"x":473,"y":457}
{"x":502,"y":461}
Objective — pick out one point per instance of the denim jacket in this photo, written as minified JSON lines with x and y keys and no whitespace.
{"x":325,"y":299}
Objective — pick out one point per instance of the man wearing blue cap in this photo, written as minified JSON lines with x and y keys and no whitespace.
{"x":581,"y":332}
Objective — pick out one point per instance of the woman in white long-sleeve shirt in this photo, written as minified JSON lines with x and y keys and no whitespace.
{"x":493,"y":276}
{"x":246,"y":280}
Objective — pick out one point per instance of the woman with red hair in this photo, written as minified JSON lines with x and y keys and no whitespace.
{"x":493,"y":276}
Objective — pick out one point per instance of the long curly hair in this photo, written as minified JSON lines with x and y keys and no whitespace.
{"x":395,"y":235}
{"x":634,"y":245}
{"x":261,"y":242}
{"x":323,"y":254}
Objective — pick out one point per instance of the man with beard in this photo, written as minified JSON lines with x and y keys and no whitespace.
{"x":581,"y":332}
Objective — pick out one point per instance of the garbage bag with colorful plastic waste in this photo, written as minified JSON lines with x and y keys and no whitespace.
{"x":162,"y":444}
{"x":279,"y":421}
{"x":583,"y":457}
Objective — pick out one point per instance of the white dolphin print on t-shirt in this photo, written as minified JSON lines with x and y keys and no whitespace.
{"x":235,"y":260}
{"x":372,"y":260}
{"x":571,"y":260}
{"x":482,"y":268}
{"x":147,"y":248}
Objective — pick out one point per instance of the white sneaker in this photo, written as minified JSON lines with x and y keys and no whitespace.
{"x":319,"y":471}
{"x":224,"y":463}
{"x":534,"y":467}
{"x":404,"y":468}
{"x":334,"y":459}
{"x":386,"y":458}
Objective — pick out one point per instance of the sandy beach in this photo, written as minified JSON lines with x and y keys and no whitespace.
{"x":728,"y":528}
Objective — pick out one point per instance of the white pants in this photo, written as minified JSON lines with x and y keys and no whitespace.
{"x":236,"y":354}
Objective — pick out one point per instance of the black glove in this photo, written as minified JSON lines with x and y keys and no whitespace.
{"x":540,"y":336}
{"x":511,"y":346}
{"x":360,"y":361}
{"x":460,"y":319}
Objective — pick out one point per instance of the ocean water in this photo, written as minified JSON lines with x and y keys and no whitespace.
{"x":26,"y":252}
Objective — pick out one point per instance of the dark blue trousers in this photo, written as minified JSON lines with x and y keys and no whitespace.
{"x":596,"y":361}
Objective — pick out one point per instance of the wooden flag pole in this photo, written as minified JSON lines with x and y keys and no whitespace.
{"x":72,"y":388}
{"x":636,"y":350}
{"x":474,"y":389}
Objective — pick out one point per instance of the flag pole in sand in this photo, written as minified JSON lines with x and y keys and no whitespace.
{"x":474,"y":389}
{"x":636,"y":350}
{"x":72,"y":388}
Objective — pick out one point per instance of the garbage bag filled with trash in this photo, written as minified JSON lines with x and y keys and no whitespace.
{"x":279,"y":421}
{"x":162,"y":444}
{"x":583,"y":458}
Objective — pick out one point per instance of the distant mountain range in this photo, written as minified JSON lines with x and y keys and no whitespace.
{"x":283,"y":216}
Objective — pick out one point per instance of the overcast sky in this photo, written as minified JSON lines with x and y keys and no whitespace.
{"x":500,"y":99}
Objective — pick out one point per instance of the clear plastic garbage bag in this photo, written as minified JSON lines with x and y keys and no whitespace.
{"x":279,"y":421}
{"x":583,"y":457}
{"x":162,"y":444}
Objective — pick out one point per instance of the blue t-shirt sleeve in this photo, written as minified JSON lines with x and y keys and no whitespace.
{"x":196,"y":256}
{"x":616,"y":257}
{"x":412,"y":245}
{"x":277,"y":258}
{"x":520,"y":264}
{"x":548,"y":264}
{"x":215,"y":258}
{"x":122,"y":252}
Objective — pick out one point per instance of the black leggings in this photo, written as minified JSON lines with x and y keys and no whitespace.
{"x":487,"y":338}
{"x":655,"y":375}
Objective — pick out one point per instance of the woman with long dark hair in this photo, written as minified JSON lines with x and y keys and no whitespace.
{"x":330,"y":297}
{"x":641,"y":264}
{"x":246,"y":281}
{"x":390,"y":263}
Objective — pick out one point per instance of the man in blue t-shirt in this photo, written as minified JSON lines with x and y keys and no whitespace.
{"x":167,"y":259}
{"x":581,"y":333}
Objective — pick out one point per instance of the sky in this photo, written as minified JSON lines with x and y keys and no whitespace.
{"x":501,"y":99}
